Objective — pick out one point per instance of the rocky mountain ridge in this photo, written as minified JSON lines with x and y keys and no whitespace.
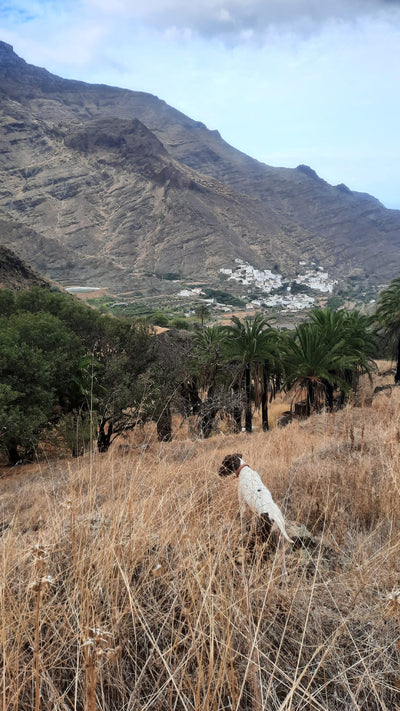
{"x":114,"y":187}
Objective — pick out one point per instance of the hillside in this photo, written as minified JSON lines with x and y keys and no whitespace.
{"x":131,"y":578}
{"x":114,"y":187}
{"x":15,"y":274}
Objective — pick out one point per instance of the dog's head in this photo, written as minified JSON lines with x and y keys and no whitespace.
{"x":230,"y":464}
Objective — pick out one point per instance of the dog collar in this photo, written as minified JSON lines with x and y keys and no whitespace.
{"x":240,"y":469}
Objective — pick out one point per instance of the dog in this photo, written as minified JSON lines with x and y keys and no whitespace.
{"x":253,"y":492}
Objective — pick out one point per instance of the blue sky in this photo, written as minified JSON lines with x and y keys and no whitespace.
{"x":286,"y":81}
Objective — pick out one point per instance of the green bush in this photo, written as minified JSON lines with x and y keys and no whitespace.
{"x":158,"y":318}
{"x":181,"y":323}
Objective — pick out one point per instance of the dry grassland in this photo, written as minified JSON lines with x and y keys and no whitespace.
{"x":130,"y":582}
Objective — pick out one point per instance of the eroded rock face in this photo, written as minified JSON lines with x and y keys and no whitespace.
{"x":114,"y":186}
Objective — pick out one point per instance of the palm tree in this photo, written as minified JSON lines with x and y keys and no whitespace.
{"x":202,"y":312}
{"x":252,"y":342}
{"x":271,"y":371}
{"x":388,"y":316}
{"x":354,"y":331}
{"x":360,"y":342}
{"x":331,"y":351}
{"x":310,"y":366}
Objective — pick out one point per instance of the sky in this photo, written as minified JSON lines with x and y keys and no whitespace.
{"x":315,"y":82}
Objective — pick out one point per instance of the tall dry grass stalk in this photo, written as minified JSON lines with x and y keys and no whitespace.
{"x":161,"y":599}
{"x":38,"y":587}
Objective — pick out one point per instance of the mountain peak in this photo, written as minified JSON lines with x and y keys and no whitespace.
{"x":310,"y":172}
{"x":8,"y":56}
{"x":6,"y":48}
{"x":15,"y":70}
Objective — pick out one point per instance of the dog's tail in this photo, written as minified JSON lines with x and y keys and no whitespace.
{"x":276,"y":516}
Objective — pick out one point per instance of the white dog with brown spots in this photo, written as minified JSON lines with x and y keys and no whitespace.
{"x":253,"y":492}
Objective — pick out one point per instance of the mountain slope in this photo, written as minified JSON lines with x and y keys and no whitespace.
{"x":122,"y":189}
{"x":15,"y":274}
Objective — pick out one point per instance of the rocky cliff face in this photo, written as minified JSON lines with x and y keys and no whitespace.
{"x":100,"y":184}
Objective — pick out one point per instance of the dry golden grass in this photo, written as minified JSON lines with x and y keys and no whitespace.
{"x":129,"y":581}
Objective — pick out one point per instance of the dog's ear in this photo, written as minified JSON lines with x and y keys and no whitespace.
{"x":224,"y":470}
{"x":230,"y":464}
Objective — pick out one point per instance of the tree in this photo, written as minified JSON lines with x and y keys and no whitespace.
{"x":253,"y":344}
{"x":203,"y":313}
{"x":167,"y":377}
{"x":209,"y":367}
{"x":388,"y":317}
{"x":361,"y":346}
{"x":39,"y":362}
{"x":106,"y":379}
{"x":312,"y":366}
{"x":78,"y":317}
{"x":158,"y":318}
{"x":331,"y":351}
{"x":355,"y":330}
{"x":7,"y":302}
{"x":120,"y":389}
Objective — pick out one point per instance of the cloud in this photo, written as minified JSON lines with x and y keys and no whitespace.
{"x":245,"y":18}
{"x":236,"y":21}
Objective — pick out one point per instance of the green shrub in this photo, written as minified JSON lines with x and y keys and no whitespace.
{"x":181,"y":323}
{"x":158,"y":318}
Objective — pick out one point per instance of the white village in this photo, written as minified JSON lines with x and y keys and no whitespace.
{"x":270,"y":286}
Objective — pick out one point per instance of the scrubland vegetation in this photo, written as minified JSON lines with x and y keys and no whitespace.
{"x":130,"y":582}
{"x":129,"y":579}
{"x":71,"y":374}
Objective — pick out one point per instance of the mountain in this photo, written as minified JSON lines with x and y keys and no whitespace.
{"x":106,"y":186}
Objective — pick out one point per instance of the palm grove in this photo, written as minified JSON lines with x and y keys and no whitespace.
{"x":70,"y":375}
